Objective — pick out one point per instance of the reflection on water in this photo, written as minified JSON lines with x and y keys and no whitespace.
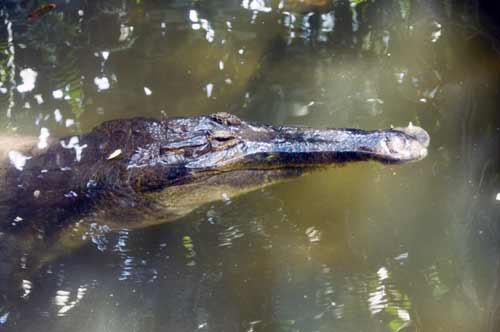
{"x":359,"y":248}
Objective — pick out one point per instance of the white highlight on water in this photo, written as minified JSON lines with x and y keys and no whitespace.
{"x":57,"y":94}
{"x":102,"y":83}
{"x":42,"y":139}
{"x":17,"y":159}
{"x":28,"y":76}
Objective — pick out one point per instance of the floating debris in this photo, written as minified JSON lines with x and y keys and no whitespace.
{"x":40,"y":11}
{"x":115,"y":154}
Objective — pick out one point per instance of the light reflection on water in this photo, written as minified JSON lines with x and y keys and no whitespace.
{"x":359,"y":248}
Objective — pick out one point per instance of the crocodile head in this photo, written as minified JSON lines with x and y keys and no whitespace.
{"x":222,"y":142}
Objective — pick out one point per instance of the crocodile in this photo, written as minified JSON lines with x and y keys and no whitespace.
{"x":142,"y":167}
{"x":128,"y":160}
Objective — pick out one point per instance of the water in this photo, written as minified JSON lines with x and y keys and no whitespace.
{"x":364,"y":247}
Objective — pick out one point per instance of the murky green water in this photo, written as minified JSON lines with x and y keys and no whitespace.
{"x":365,"y":247}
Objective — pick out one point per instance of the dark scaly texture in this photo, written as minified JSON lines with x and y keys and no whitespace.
{"x":125,"y":158}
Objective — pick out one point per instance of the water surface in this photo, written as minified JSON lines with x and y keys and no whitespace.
{"x":365,"y":247}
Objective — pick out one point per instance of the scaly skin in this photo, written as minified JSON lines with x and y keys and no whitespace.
{"x":133,"y":157}
{"x":137,"y":167}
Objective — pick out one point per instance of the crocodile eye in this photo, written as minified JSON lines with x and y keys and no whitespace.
{"x":222,"y":135}
{"x":221,"y":139}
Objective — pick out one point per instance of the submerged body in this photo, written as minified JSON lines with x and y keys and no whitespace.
{"x":148,"y":171}
{"x":134,"y":161}
{"x":151,"y":171}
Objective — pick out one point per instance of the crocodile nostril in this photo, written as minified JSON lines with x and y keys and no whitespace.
{"x":225,"y":119}
{"x":396,"y":144}
{"x":417,"y":133}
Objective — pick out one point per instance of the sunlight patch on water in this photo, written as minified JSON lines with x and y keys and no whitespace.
{"x":74,"y":143}
{"x":27,"y":287}
{"x":28,"y":76}
{"x":58,"y":94}
{"x":436,"y":34}
{"x":377,"y":299}
{"x":228,"y":236}
{"x":102,"y":83}
{"x":11,"y":65}
{"x":125,"y":32}
{"x":62,"y":299}
{"x":198,"y":23}
{"x":97,"y":234}
{"x":18,"y":160}
{"x":42,"y":139}
{"x":57,"y":115}
{"x":209,"y":87}
{"x":313,"y":234}
{"x":256,"y":5}
{"x":4,"y":318}
{"x":105,"y":55}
